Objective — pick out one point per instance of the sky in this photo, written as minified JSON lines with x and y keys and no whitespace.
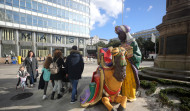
{"x":138,"y":14}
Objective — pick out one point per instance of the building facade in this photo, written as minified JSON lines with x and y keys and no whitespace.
{"x":145,"y":34}
{"x":43,"y":26}
{"x":96,"y":39}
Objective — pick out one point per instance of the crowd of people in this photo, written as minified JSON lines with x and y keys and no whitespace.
{"x":56,"y":69}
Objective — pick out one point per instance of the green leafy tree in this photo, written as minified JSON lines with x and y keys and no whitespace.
{"x":113,"y":43}
{"x":100,"y":44}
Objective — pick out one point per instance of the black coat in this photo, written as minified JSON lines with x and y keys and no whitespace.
{"x":74,"y":65}
{"x":59,"y":75}
{"x":41,"y":84}
{"x":31,"y":66}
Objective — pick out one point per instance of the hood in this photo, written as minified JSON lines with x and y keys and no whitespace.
{"x":74,"y":53}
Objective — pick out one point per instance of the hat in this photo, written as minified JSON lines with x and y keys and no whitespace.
{"x":74,"y":47}
{"x":124,"y":29}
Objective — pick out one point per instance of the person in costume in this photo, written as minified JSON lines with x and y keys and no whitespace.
{"x":133,"y":59}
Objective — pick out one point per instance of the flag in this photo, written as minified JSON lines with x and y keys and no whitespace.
{"x":153,"y":38}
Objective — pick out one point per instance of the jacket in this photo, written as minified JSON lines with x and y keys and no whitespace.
{"x":59,"y":75}
{"x":31,"y":66}
{"x":74,"y":65}
{"x":46,"y":75}
{"x":23,"y":73}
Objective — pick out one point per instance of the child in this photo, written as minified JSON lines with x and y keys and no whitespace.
{"x":21,"y":74}
{"x":46,"y":74}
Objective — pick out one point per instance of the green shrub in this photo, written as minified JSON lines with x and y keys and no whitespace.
{"x":151,"y":86}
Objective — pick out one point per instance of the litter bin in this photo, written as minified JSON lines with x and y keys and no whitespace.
{"x":13,"y":60}
{"x":19,"y":60}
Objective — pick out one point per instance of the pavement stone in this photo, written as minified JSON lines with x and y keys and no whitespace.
{"x":8,"y":82}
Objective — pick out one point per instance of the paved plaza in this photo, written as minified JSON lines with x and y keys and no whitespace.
{"x":8,"y":82}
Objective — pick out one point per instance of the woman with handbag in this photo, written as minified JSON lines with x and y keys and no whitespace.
{"x":31,"y":65}
{"x":57,"y":77}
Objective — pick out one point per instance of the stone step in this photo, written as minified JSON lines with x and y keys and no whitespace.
{"x":170,"y":71}
{"x":154,"y":77}
{"x":166,"y":75}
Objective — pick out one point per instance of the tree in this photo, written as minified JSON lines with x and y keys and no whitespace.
{"x":100,"y":44}
{"x":113,"y":43}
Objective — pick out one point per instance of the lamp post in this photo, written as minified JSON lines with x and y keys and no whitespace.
{"x":122,"y":12}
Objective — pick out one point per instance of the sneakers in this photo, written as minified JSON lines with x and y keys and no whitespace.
{"x":59,"y":96}
{"x":44,"y":97}
{"x":72,"y":102}
{"x":31,"y":85}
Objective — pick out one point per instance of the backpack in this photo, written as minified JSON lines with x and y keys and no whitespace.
{"x":54,"y":69}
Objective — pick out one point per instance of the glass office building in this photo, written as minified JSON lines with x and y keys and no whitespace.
{"x":43,"y":26}
{"x":145,"y":34}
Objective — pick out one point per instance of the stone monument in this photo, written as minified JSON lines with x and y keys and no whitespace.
{"x":174,"y":41}
{"x":173,"y":60}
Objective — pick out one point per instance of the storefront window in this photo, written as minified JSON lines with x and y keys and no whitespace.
{"x":71,"y":40}
{"x":43,"y":38}
{"x":25,"y":36}
{"x":8,"y":34}
{"x":58,"y":39}
{"x":24,"y":50}
{"x":8,"y":50}
{"x":42,"y":51}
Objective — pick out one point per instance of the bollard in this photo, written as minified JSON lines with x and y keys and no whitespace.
{"x":19,"y":60}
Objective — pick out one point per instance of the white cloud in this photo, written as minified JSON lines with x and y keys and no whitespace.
{"x":113,"y":23}
{"x":128,"y":9}
{"x":149,"y":8}
{"x":109,"y":10}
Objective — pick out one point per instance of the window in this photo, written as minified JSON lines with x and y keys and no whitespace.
{"x":58,"y":12}
{"x":70,"y":27}
{"x":63,"y":14}
{"x":66,"y":14}
{"x":63,"y":2}
{"x":54,"y":24}
{"x":59,"y":25}
{"x":16,"y":17}
{"x":59,"y":2}
{"x":2,"y":1}
{"x":45,"y":22}
{"x":70,"y":15}
{"x":45,"y":9}
{"x":40,"y":7}
{"x":49,"y":23}
{"x":49,"y":10}
{"x":29,"y":19}
{"x":22,"y":4}
{"x":67,"y":3}
{"x":55,"y":1}
{"x":9,"y":2}
{"x":16,"y":3}
{"x":2,"y":14}
{"x":34,"y":6}
{"x":34,"y":21}
{"x":9,"y":16}
{"x":40,"y":22}
{"x":66,"y":26}
{"x":63,"y":26}
{"x":54,"y":11}
{"x":28,"y":4}
{"x":23,"y":18}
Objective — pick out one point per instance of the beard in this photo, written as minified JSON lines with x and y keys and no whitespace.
{"x":119,"y":71}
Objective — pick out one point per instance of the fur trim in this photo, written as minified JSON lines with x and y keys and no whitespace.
{"x":74,"y":51}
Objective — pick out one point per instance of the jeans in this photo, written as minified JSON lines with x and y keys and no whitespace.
{"x":57,"y":86}
{"x":74,"y":84}
{"x":31,"y":78}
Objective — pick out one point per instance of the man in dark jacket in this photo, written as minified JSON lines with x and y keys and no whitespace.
{"x":74,"y":69}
